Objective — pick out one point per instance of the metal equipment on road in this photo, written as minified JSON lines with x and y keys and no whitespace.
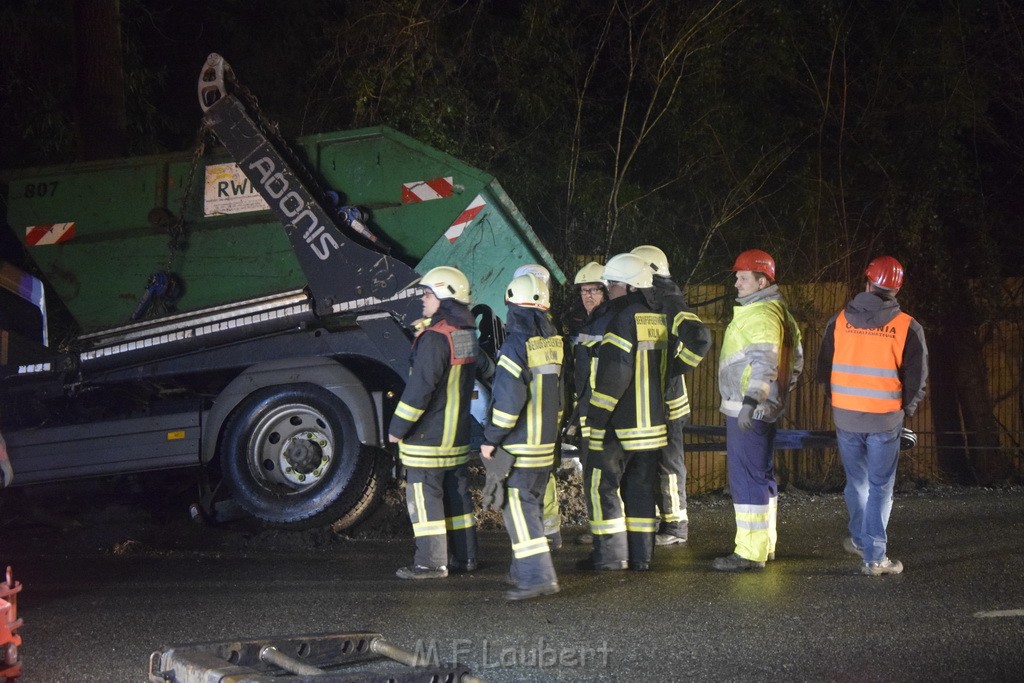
{"x":322,"y":658}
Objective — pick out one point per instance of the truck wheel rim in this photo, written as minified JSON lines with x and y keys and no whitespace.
{"x":292,"y":446}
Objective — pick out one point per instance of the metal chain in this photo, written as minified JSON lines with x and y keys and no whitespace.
{"x":176,"y":230}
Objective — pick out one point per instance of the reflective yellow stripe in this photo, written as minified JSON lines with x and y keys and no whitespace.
{"x":433,"y":462}
{"x":411,"y":449}
{"x":642,"y":524}
{"x":640,"y":432}
{"x":689,"y":357}
{"x":499,"y":418}
{"x":595,"y":497}
{"x":617,"y":341}
{"x":466,"y":521}
{"x":422,"y":526}
{"x":453,"y":407}
{"x":534,"y":462}
{"x":510,"y":365}
{"x":533,"y":414}
{"x":515,"y":509}
{"x":407,"y":412}
{"x":641,"y":387}
{"x":529,"y":448}
{"x":429,"y":528}
{"x":603,"y":401}
{"x":753,"y":536}
{"x":681,"y":316}
{"x":523,"y":545}
{"x":535,"y":546}
{"x":644,"y":444}
{"x":608,"y":526}
{"x":671,"y":489}
{"x":751,"y":516}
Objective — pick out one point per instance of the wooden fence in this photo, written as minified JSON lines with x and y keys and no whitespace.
{"x":820,"y":469}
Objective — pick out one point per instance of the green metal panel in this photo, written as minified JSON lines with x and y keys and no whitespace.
{"x":101,"y":272}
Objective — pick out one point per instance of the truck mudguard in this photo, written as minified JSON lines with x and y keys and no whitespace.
{"x":323,"y":372}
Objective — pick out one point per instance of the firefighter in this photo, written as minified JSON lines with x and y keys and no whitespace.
{"x":874,"y":364}
{"x":626,"y":417}
{"x":761,"y":359}
{"x":523,"y":421}
{"x":689,"y":340}
{"x":586,"y":340}
{"x":431,"y":426}
{"x":552,"y":513}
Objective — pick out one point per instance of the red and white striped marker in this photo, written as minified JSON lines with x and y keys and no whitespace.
{"x":465,"y":218}
{"x":425,"y":190}
{"x":53,"y":233}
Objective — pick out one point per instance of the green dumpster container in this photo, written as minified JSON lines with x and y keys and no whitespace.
{"x":98,"y":230}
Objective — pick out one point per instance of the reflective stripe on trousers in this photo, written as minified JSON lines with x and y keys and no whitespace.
{"x":522,"y":513}
{"x":441,"y":512}
{"x":752,"y":484}
{"x":671,"y":492}
{"x":623,"y":525}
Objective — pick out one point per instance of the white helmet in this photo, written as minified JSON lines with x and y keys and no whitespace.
{"x":655,"y":258}
{"x":447,"y":283}
{"x":534,"y":269}
{"x":529,"y":291}
{"x":592,"y":272}
{"x":629,"y":268}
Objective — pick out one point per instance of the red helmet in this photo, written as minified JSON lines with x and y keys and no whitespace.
{"x":885,"y":272}
{"x":757,"y":261}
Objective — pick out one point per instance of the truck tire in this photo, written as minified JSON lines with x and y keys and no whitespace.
{"x":290,"y":456}
{"x":371,"y":495}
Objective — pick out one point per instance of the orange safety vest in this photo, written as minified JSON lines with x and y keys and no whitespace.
{"x":461,"y":342}
{"x":866,"y":364}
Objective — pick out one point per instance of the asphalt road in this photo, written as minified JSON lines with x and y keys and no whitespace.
{"x":104,"y":593}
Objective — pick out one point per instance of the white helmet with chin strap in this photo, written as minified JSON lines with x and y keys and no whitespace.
{"x":655,"y":258}
{"x":592,"y":272}
{"x":630,"y":269}
{"x":447,"y":283}
{"x":528,"y":291}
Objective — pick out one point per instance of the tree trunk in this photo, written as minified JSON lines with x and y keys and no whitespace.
{"x":943,"y":391}
{"x":101,"y":119}
{"x":990,"y":463}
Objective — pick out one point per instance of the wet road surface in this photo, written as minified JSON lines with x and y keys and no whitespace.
{"x":96,"y":602}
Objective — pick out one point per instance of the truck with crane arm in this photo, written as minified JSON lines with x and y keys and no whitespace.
{"x":244,"y":311}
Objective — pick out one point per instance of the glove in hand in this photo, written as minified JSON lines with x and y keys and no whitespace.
{"x":497,"y":468}
{"x":745,"y":420}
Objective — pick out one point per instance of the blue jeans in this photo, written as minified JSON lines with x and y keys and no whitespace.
{"x":870,"y":462}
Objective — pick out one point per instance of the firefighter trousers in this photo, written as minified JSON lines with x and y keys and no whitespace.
{"x":442,"y":515}
{"x":523,"y":515}
{"x":670,"y":491}
{"x":620,"y":501}
{"x":755,"y":493}
{"x":552,"y":514}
